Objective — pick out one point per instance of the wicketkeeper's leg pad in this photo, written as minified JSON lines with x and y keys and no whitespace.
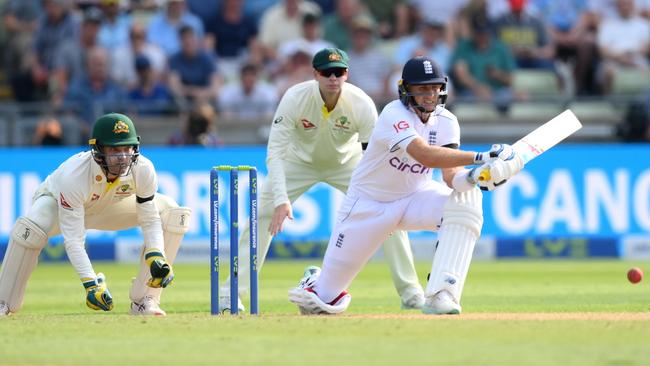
{"x":462,"y":219}
{"x":26,"y":241}
{"x":175,"y":223}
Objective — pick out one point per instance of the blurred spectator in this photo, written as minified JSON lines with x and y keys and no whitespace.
{"x":206,"y":10}
{"x":600,"y":10}
{"x":338,"y":25}
{"x":164,"y":26}
{"x":114,"y":31}
{"x":148,"y":94}
{"x":234,"y":37}
{"x":312,"y":33}
{"x":635,"y":126}
{"x":574,"y":39}
{"x":370,"y":68}
{"x":283,"y":22}
{"x":54,"y":29}
{"x":429,"y":41}
{"x":193,"y":76}
{"x":20,"y":20}
{"x":70,"y":59}
{"x":48,"y":133}
{"x":256,"y":8}
{"x":443,"y":12}
{"x":94,"y":92}
{"x":483,"y":67}
{"x":391,"y":15}
{"x":249,"y":99}
{"x":198,"y":129}
{"x":526,"y":36}
{"x":123,"y":59}
{"x":296,"y":68}
{"x":624,"y":42}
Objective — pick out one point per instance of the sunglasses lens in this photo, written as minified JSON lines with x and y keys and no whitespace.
{"x":338,"y":72}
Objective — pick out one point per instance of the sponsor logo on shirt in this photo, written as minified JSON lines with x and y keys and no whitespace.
{"x":404,"y":166}
{"x":339,"y":240}
{"x":277,"y":120}
{"x":401,"y":126}
{"x":342,"y":123}
{"x":95,"y":197}
{"x":306,"y":124}
{"x":64,"y":203}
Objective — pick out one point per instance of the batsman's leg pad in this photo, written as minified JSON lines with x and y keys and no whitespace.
{"x":460,"y":229}
{"x":26,"y":241}
{"x":175,"y":223}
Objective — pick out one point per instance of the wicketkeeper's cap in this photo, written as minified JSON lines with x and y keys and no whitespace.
{"x":328,"y":58}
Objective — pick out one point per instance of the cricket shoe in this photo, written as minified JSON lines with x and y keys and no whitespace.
{"x":4,"y":309}
{"x":148,"y":306}
{"x":414,"y":301}
{"x":441,"y":303}
{"x":224,"y":304}
{"x":309,"y":303}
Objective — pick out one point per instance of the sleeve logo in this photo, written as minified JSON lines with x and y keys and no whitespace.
{"x":64,"y":203}
{"x":401,"y":126}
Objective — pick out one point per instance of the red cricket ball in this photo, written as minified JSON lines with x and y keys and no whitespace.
{"x":635,"y":275}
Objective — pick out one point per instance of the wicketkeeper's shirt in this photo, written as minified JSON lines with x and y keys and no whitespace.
{"x":303,"y":131}
{"x":80,"y":188}
{"x":386,"y":171}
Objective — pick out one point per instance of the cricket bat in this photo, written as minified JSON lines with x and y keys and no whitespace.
{"x":544,"y":137}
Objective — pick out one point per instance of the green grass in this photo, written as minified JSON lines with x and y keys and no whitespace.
{"x":55,"y":327}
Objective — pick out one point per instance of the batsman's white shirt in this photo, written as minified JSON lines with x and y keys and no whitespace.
{"x":386,"y":171}
{"x":80,"y":188}
{"x":304,"y":132}
{"x":389,"y":191}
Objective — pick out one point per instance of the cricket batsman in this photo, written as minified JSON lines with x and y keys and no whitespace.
{"x":392,"y":189}
{"x":320,"y":130}
{"x":110,"y":187}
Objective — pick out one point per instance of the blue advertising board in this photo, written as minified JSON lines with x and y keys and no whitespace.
{"x":594,"y":192}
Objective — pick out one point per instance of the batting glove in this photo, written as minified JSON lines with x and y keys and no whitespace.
{"x":498,"y":151}
{"x":97,"y":295}
{"x":161,"y":271}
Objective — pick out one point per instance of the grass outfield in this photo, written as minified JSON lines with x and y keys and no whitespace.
{"x":514,"y":313}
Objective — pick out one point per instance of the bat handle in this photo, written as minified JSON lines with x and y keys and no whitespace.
{"x":485,"y":175}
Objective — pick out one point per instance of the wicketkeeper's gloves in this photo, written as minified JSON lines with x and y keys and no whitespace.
{"x":97,"y":295}
{"x":161,"y":271}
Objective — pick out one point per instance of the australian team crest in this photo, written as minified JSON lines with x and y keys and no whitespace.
{"x":123,"y":189}
{"x":120,"y":127}
{"x":342,"y":123}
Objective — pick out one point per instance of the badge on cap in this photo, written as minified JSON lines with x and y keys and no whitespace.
{"x":120,"y":127}
{"x":334,"y":57}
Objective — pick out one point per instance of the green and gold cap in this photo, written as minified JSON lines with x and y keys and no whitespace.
{"x":328,"y":58}
{"x":114,"y":129}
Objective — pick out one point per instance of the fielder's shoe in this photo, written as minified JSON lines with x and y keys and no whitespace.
{"x":224,"y":303}
{"x":147,"y":307}
{"x":415,"y":301}
{"x":4,"y":309}
{"x":441,"y":303}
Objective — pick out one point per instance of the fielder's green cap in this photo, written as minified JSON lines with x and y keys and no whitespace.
{"x":328,"y":58}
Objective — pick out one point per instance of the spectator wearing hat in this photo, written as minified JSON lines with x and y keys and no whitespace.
{"x":295,"y":66}
{"x":483,"y":66}
{"x":70,"y":58}
{"x":526,"y":36}
{"x":149,"y":95}
{"x":123,"y":59}
{"x":370,"y":67}
{"x":114,"y":31}
{"x":164,"y":26}
{"x":429,"y":42}
{"x":193,"y":75}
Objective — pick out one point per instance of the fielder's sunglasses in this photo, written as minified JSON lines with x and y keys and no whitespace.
{"x":337,"y":71}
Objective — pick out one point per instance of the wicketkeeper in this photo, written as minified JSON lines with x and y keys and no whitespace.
{"x":110,"y":187}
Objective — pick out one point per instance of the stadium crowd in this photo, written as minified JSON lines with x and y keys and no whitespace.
{"x":235,"y":58}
